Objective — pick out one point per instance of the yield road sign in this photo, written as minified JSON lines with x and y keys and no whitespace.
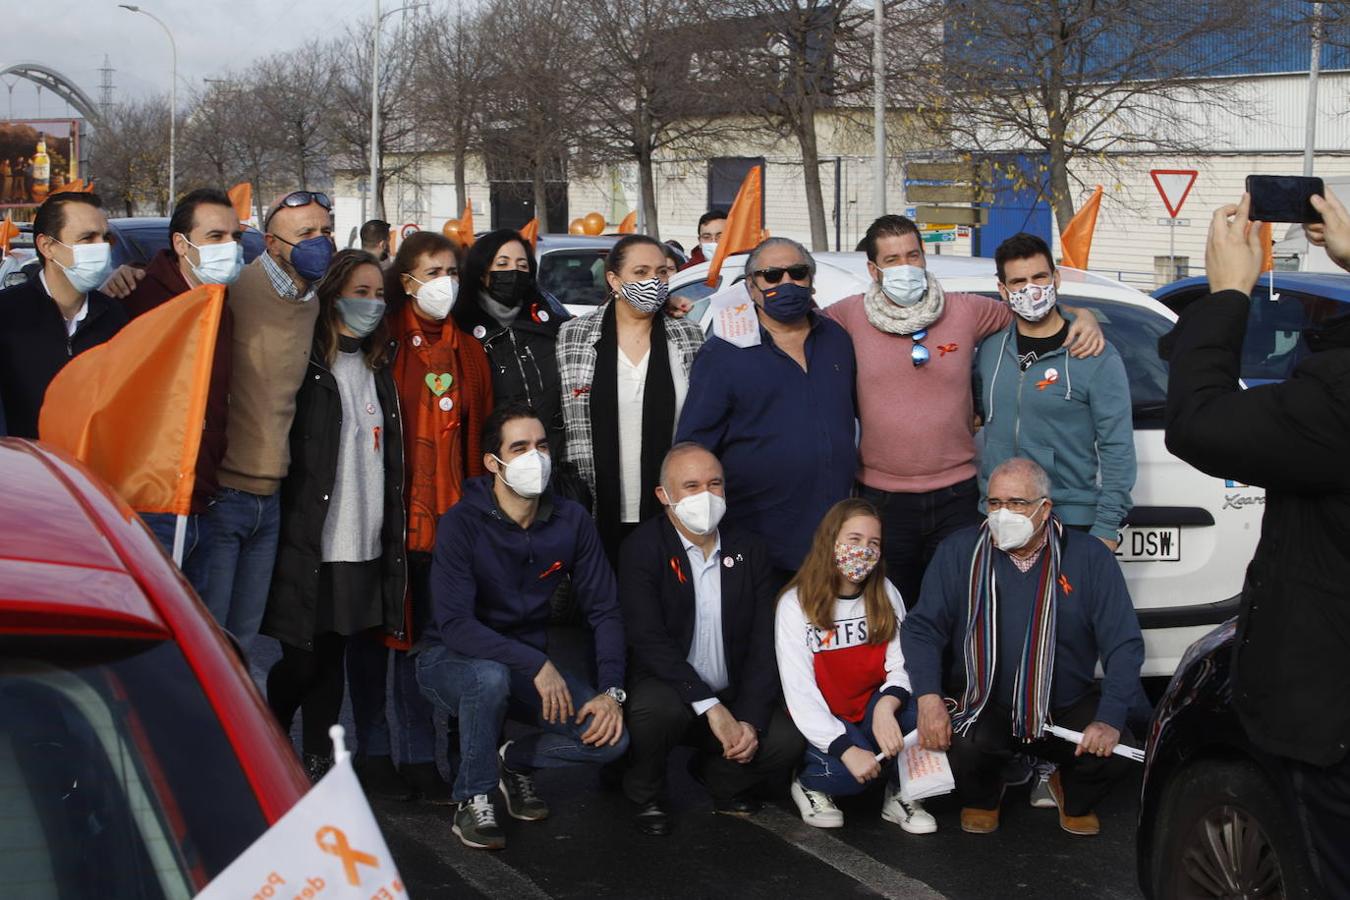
{"x":1175,"y":186}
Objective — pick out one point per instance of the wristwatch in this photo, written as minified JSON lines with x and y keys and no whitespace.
{"x":618,"y":695}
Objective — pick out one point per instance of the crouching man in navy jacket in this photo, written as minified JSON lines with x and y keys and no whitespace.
{"x":499,"y":554}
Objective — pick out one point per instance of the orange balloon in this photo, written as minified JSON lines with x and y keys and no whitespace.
{"x":594,"y":223}
{"x":577,"y":226}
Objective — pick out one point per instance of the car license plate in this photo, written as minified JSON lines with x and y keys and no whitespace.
{"x":1149,"y":545}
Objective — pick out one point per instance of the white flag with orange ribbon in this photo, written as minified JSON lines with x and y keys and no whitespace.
{"x":328,"y":846}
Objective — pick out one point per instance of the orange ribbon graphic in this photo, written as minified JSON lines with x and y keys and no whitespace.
{"x":340,"y":847}
{"x":1064,"y":584}
{"x":944,"y":349}
{"x":679,"y":573}
{"x":1045,"y":383}
{"x":557,"y":565}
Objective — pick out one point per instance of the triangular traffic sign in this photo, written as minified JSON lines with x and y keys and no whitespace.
{"x":1175,"y":186}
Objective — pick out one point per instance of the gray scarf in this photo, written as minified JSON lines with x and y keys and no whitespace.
{"x":503,"y":315}
{"x":888,"y":316}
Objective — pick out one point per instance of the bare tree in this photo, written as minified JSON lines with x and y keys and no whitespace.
{"x":450,"y":65}
{"x":1078,"y":79}
{"x":643,"y":97}
{"x":129,"y":156}
{"x":292,"y":93}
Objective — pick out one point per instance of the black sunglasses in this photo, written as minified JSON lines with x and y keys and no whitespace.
{"x":775,"y":274}
{"x":299,"y":198}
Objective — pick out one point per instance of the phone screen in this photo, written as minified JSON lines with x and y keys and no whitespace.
{"x":1283,"y":198}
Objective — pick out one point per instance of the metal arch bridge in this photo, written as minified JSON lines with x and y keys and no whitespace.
{"x":52,"y":80}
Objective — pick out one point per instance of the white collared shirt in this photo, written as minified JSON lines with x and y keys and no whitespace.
{"x":71,"y":324}
{"x":707,"y":651}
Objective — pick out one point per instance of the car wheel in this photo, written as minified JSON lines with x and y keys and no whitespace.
{"x":1224,"y":832}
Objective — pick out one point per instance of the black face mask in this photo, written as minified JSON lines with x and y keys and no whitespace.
{"x":511,"y":287}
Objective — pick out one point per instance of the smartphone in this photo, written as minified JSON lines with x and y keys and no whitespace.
{"x":1283,"y":198}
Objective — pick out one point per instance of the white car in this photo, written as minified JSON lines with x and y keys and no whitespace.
{"x":1187,"y":541}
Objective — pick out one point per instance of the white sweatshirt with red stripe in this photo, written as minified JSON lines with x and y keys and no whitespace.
{"x":830,"y":675}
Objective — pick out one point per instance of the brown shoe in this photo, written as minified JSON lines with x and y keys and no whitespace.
{"x":979,"y":821}
{"x":1084,"y":826}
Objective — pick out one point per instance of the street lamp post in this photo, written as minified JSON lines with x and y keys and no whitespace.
{"x":375,"y":108}
{"x":879,"y":104}
{"x":173,"y":91}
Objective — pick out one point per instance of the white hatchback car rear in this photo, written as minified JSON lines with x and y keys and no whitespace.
{"x":1187,"y":541}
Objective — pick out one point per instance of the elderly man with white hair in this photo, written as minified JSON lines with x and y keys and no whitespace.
{"x":1025,"y":608}
{"x":780,"y":414}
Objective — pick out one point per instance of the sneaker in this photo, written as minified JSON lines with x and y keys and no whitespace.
{"x":1041,"y":795}
{"x":425,"y":781}
{"x":380,"y":779}
{"x":908,"y":814}
{"x":476,"y":824}
{"x":817,"y":808}
{"x":522,"y":800}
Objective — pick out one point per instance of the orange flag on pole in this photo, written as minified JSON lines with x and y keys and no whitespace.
{"x":8,"y":232}
{"x":466,"y":226}
{"x":629,"y":223}
{"x":1267,"y":247}
{"x":745,"y":223}
{"x":1076,"y":238}
{"x":531,"y":232}
{"x":132,"y":409}
{"x":241,"y":197}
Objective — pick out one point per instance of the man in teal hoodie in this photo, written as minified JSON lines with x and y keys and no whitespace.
{"x":1072,"y":416}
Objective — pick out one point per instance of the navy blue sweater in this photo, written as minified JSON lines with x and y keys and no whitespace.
{"x":787,"y":437}
{"x":491,"y":581}
{"x":1095,"y":619}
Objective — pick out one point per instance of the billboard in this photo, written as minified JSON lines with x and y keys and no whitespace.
{"x":37,"y":156}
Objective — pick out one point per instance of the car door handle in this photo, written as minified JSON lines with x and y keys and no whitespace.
{"x":1165,"y":516}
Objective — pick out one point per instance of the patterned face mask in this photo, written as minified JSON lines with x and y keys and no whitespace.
{"x":856,"y":561}
{"x":645,"y":296}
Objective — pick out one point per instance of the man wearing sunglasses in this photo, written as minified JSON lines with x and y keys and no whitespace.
{"x":916,"y":350}
{"x":274,"y":314}
{"x":780,"y":414}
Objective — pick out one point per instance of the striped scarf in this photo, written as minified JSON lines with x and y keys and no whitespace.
{"x":1035,"y":671}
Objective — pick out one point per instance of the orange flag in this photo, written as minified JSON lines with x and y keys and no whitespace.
{"x":629,"y":223}
{"x":132,"y":409}
{"x":466,"y":226}
{"x":73,"y":187}
{"x":531,"y":232}
{"x":241,"y":196}
{"x":1267,"y":247}
{"x":745,"y":223}
{"x":8,"y":232}
{"x":1076,"y":238}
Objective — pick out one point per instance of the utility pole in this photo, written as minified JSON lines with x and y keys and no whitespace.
{"x":879,"y":103}
{"x":173,"y":91}
{"x":1314,"y":70}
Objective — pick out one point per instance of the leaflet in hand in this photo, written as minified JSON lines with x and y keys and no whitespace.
{"x":923,"y":773}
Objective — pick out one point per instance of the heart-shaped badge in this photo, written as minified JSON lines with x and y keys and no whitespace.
{"x":439,"y":384}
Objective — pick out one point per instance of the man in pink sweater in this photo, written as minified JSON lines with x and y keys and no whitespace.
{"x":915,"y":349}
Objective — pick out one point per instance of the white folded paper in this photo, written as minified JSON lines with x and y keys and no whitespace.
{"x":1076,"y":737}
{"x":923,"y":773}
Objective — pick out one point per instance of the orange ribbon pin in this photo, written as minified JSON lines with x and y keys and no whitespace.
{"x":1064,"y":583}
{"x":679,"y":573}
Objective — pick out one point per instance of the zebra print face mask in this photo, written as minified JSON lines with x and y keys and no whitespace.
{"x":646,"y":297}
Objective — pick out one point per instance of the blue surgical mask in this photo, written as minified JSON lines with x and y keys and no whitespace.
{"x":904,"y":285}
{"x":787,"y":302}
{"x":90,"y":267}
{"x":219,"y":263}
{"x":361,"y":314}
{"x":310,"y":257}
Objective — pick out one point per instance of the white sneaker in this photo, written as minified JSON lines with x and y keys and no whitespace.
{"x":816,"y":808}
{"x":908,"y":814}
{"x":1041,"y":797}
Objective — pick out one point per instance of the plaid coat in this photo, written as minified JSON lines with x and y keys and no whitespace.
{"x":576,"y":364}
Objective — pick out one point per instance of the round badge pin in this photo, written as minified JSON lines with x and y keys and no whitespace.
{"x":728,"y":561}
{"x":543,"y":316}
{"x":1052,"y":375}
{"x":417,"y":340}
{"x":479,"y":332}
{"x":370,"y":409}
{"x":447,"y":404}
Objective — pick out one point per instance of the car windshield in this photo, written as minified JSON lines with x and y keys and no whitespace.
{"x":1134,"y":332}
{"x":575,"y":277}
{"x":116,"y":778}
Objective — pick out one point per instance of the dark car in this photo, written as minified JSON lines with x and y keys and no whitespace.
{"x":136,"y":240}
{"x":1275,"y":326}
{"x":1216,"y":817}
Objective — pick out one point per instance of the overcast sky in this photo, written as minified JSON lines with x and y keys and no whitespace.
{"x":213,"y":37}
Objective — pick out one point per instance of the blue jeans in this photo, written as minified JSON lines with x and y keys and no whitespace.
{"x":827,"y":773}
{"x":482,"y":693}
{"x":241,"y":546}
{"x":367,"y":678}
{"x":163,"y":525}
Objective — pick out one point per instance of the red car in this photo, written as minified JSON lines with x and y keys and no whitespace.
{"x":137,"y":758}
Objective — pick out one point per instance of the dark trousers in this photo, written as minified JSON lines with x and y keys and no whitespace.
{"x":311,"y":681}
{"x":912,"y":526}
{"x":1323,"y":798}
{"x":658,"y":721}
{"x":977,"y":758}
